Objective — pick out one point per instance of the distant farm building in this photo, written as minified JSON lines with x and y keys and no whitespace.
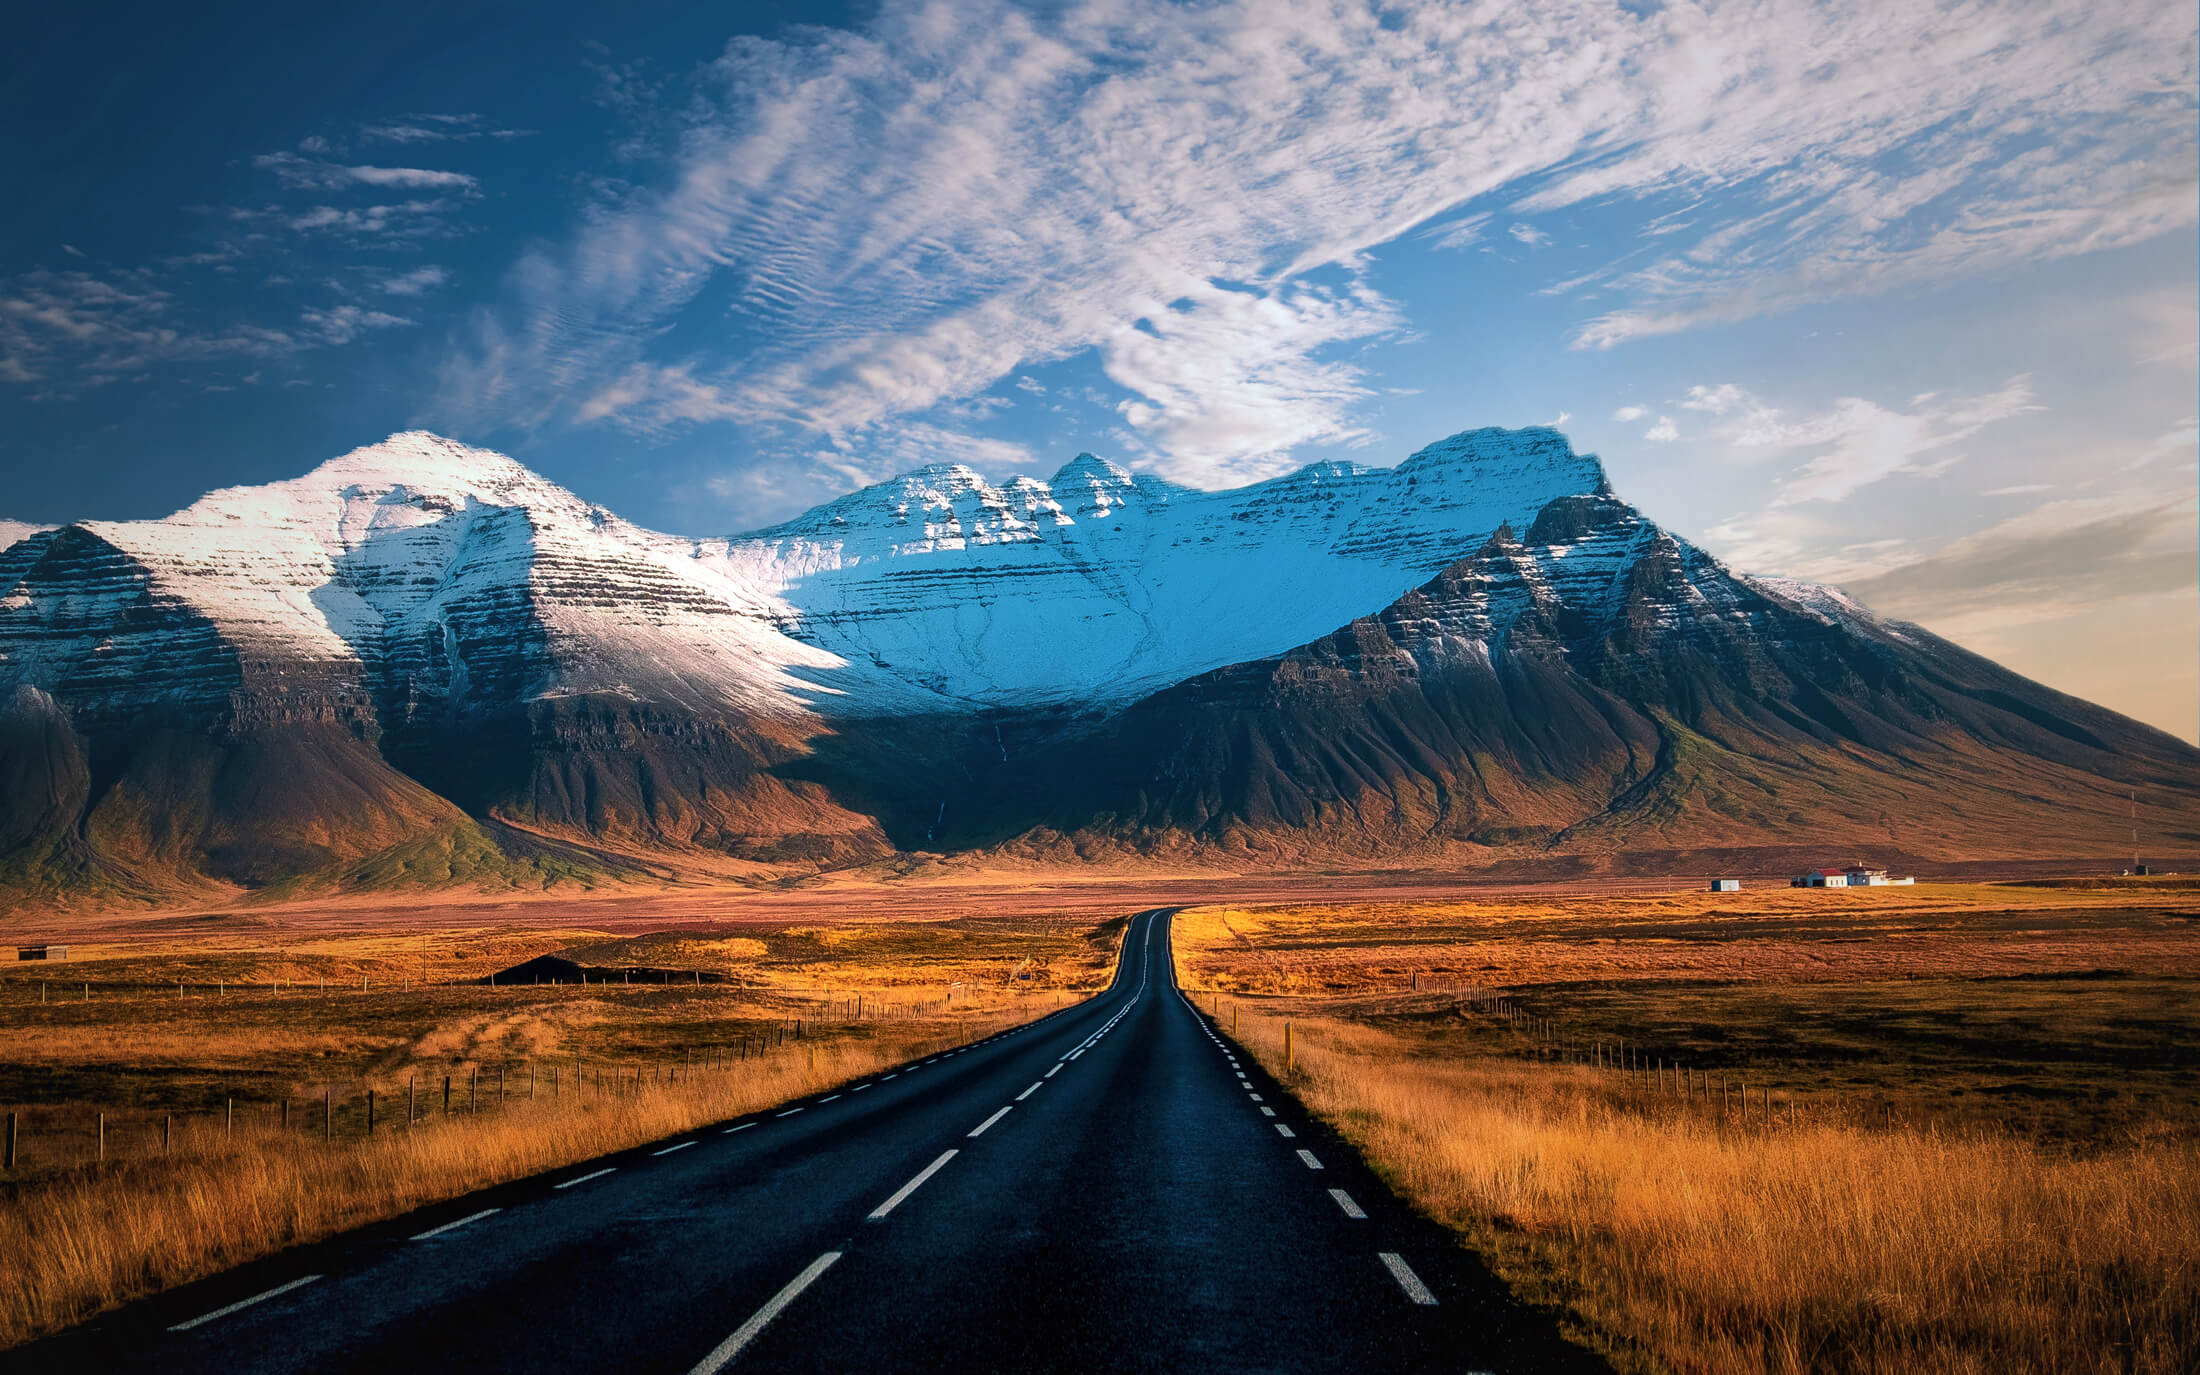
{"x":1726,"y":885}
{"x":1854,"y":876}
{"x":41,"y":952}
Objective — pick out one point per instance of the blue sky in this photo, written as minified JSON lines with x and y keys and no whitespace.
{"x":1898,"y":297}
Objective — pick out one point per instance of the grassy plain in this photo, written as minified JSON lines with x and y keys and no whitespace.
{"x":1972,"y":1140}
{"x":195,"y":1096}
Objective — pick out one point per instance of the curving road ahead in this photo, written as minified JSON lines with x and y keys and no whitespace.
{"x":1111,"y":1188}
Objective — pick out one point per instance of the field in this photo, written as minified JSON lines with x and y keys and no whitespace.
{"x":190,"y":1095}
{"x":1947,"y":1128}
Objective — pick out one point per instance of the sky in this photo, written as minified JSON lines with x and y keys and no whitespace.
{"x":1904,"y":297}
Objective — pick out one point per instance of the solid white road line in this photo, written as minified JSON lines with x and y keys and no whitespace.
{"x":453,"y":1226}
{"x":670,"y":1149}
{"x":241,"y":1304}
{"x":598,"y":1174}
{"x":1311,"y":1162}
{"x":1344,"y":1201}
{"x":1407,"y":1280}
{"x":1030,"y":1091}
{"x":722,"y":1355}
{"x":911,"y":1187}
{"x":979,"y":1130}
{"x":742,"y":1128}
{"x":1283,"y":1131}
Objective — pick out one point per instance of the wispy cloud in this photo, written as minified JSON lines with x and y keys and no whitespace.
{"x":1855,"y":442}
{"x":67,"y":332}
{"x":418,"y":282}
{"x":908,"y":214}
{"x":316,"y":174}
{"x":435,"y":128}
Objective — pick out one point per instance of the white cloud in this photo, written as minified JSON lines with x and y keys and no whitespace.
{"x":907,"y":214}
{"x":2022,"y":489}
{"x":1463,"y":232}
{"x":1664,"y":432}
{"x":1628,"y":415}
{"x":67,"y":332}
{"x":1529,"y":235}
{"x":342,"y":324}
{"x":1856,"y":442}
{"x":417,"y":282}
{"x":314,"y":174}
{"x":72,"y":250}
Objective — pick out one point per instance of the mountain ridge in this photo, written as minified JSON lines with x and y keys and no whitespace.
{"x":426,"y":651}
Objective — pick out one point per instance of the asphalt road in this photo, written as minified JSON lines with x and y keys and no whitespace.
{"x":1111,"y":1188}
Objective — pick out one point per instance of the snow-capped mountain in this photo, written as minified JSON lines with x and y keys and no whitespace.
{"x":423,"y":659}
{"x":1100,"y":586}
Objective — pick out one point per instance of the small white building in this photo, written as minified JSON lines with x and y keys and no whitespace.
{"x":1822,"y":878}
{"x":1726,"y":885}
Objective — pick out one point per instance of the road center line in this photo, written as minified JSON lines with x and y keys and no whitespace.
{"x":1267,"y":1112}
{"x":453,"y":1226}
{"x":597,"y":1174}
{"x":788,"y":1113}
{"x":1056,"y":1070}
{"x":1407,"y":1280}
{"x":979,"y":1130}
{"x":670,"y":1149}
{"x":1308,"y":1158}
{"x":1030,"y":1091}
{"x":1344,"y":1201}
{"x":828,"y":1099}
{"x":895,"y":1075}
{"x":242,"y":1304}
{"x":722,"y":1355}
{"x":1285,"y":1132}
{"x":742,"y":1128}
{"x":911,"y":1187}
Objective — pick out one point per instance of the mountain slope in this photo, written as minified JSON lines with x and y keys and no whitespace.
{"x":423,"y":663}
{"x":1600,"y":686}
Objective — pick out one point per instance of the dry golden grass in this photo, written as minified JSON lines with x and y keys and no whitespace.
{"x":81,"y":1234}
{"x":1676,"y":1238}
{"x":93,"y":1238}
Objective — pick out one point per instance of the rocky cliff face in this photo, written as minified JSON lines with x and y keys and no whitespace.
{"x":424,"y":648}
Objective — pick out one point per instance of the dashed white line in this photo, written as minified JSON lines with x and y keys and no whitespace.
{"x":1308,"y":1158}
{"x":1056,"y":1070}
{"x":1344,"y":1201}
{"x":1407,"y":1280}
{"x":723,"y":1354}
{"x":241,"y":1304}
{"x":979,"y":1130}
{"x":911,"y":1187}
{"x":741,"y":1128}
{"x":1030,"y":1091}
{"x":1254,"y":1096}
{"x":454,"y":1226}
{"x":670,"y":1149}
{"x":596,"y":1174}
{"x":859,"y":1088}
{"x":895,"y":1075}
{"x":1267,"y":1112}
{"x":1283,"y":1131}
{"x":828,"y":1099}
{"x":788,"y":1113}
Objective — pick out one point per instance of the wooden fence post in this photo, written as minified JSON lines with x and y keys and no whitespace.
{"x":370,"y":1112}
{"x":103,"y":1136}
{"x":9,"y":1163}
{"x":167,"y":1126}
{"x":328,"y":1115}
{"x":446,"y":1095}
{"x":229,"y":1116}
{"x":1287,"y":1062}
{"x":412,"y":1098}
